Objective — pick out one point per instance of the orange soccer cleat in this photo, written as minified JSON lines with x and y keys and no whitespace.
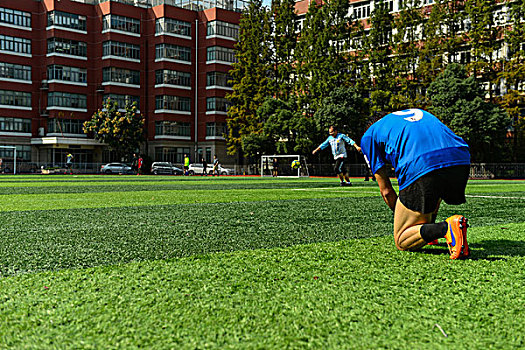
{"x":456,"y":237}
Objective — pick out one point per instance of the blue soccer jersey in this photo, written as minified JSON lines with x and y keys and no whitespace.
{"x":415,"y":142}
{"x":337,"y":144}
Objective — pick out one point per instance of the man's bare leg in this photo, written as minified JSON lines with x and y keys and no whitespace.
{"x":407,"y":225}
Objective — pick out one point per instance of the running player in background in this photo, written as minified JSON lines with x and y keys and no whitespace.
{"x":337,"y":143}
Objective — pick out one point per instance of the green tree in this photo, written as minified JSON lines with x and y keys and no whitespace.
{"x":287,"y":129}
{"x":284,"y":42}
{"x":379,"y":47}
{"x":123,"y":132}
{"x":431,"y":50}
{"x":358,"y":72}
{"x":484,"y":40}
{"x":453,"y":25}
{"x":406,"y":55}
{"x":344,"y":108}
{"x":458,"y":101}
{"x":512,"y":76}
{"x":251,"y":75}
{"x":338,"y":29}
{"x":314,"y":59}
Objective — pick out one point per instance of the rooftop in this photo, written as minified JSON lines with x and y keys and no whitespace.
{"x":195,"y":5}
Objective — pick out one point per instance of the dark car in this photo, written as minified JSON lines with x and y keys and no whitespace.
{"x":165,"y":168}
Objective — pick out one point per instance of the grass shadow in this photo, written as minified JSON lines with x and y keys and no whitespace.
{"x":502,"y":247}
{"x":490,"y":250}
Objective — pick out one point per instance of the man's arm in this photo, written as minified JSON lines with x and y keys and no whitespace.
{"x":385,"y":186}
{"x":321,"y":146}
{"x":351,"y":142}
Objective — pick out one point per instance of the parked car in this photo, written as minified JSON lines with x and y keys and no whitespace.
{"x":115,"y":168}
{"x":165,"y":168}
{"x":197,"y":169}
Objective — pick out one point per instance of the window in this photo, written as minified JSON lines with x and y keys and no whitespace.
{"x":362,"y":11}
{"x":174,"y":103}
{"x":122,"y":100}
{"x":225,"y":29}
{"x":171,"y":154}
{"x":13,"y":44}
{"x":15,"y":98}
{"x":67,"y":47}
{"x":125,"y":24}
{"x":121,"y":75}
{"x":168,"y":25}
{"x":175,"y":52}
{"x":15,"y":71}
{"x":119,"y":49}
{"x":171,"y":128}
{"x":219,"y":53}
{"x":215,"y":129}
{"x":66,"y":73}
{"x":219,"y":79}
{"x":22,"y":152}
{"x":15,"y":17}
{"x":66,"y":99}
{"x":65,"y":126}
{"x":172,"y":77}
{"x":217,"y":104}
{"x":15,"y":124}
{"x":66,"y":20}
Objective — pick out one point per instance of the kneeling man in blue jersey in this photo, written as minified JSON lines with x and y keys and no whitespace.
{"x":431,"y":164}
{"x":337,"y":141}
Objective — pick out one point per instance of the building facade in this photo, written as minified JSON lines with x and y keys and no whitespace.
{"x":60,"y":59}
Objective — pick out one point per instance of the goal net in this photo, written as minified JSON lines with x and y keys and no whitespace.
{"x":281,"y":166}
{"x":7,"y":159}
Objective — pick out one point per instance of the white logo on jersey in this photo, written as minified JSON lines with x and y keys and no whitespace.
{"x":415,"y":114}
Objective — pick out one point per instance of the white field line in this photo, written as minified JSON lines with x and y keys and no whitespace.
{"x":498,"y":197}
{"x":331,"y":189}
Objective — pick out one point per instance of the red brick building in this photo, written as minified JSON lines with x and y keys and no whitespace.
{"x":59,"y":59}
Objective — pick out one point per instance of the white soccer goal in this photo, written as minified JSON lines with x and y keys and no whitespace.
{"x":4,"y":155}
{"x":283,"y":166}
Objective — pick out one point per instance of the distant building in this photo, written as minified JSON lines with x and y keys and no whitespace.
{"x":59,"y":59}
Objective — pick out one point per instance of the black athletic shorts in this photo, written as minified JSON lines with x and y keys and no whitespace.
{"x":448,"y":184}
{"x":340,"y":166}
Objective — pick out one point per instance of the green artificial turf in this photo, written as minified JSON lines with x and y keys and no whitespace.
{"x":172,"y":262}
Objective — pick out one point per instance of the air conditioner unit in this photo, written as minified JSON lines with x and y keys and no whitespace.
{"x":41,"y":132}
{"x":45,"y":85}
{"x":44,"y":113}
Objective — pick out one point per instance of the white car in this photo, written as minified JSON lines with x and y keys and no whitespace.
{"x":198,"y":169}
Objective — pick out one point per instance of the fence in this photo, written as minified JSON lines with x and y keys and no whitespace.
{"x":477,"y":170}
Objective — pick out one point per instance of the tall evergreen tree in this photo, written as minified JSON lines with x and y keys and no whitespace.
{"x":314,"y":66}
{"x":513,"y":76}
{"x":459,"y":102}
{"x":251,"y":75}
{"x":358,"y":70}
{"x":432,"y":48}
{"x":379,"y":49}
{"x":406,"y":54}
{"x":337,"y":26}
{"x":284,"y":42}
{"x":454,"y":25}
{"x":484,"y":40}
